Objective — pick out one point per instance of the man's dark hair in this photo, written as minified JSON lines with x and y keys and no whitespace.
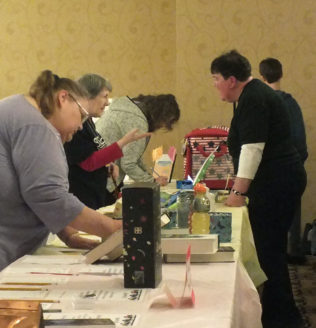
{"x":232,"y":63}
{"x":271,"y":69}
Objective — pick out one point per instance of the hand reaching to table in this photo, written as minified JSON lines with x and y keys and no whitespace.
{"x":72,"y":239}
{"x":114,"y":171}
{"x":161,"y":180}
{"x":77,"y":241}
{"x":236,"y":201}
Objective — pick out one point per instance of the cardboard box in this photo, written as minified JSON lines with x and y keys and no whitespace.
{"x":21,"y":314}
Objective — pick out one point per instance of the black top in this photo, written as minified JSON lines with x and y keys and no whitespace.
{"x":296,"y":124}
{"x":89,"y":187}
{"x":261,"y":116}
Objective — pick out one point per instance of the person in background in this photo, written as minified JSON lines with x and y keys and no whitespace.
{"x":34,"y":173}
{"x":311,"y":237}
{"x":146,"y":113}
{"x":87,"y":153}
{"x":269,"y":171}
{"x":271,"y":72}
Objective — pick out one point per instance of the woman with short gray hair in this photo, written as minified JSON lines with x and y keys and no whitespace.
{"x":87,"y":153}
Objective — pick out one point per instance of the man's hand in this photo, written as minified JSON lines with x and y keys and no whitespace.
{"x":235,"y":200}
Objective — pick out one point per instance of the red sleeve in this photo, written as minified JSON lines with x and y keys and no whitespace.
{"x":102,"y":157}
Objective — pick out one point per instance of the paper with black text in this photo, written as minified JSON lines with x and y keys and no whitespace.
{"x":120,"y":320}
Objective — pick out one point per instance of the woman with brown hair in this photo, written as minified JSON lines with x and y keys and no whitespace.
{"x":148,"y":113}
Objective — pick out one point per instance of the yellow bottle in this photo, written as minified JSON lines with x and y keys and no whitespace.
{"x":200,"y":220}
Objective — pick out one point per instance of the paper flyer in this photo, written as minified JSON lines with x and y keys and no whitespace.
{"x":54,"y":295}
{"x":120,"y":320}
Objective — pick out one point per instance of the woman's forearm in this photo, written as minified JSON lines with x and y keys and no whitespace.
{"x":102,"y":157}
{"x":95,"y":223}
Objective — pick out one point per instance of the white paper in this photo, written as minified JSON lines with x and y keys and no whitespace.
{"x":53,"y":259}
{"x":27,"y":278}
{"x":24,"y":295}
{"x":103,"y":295}
{"x":107,"y":269}
{"x":38,"y":269}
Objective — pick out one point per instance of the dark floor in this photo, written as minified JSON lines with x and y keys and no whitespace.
{"x":303,"y":279}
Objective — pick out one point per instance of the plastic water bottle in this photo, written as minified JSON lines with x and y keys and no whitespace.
{"x":184,"y":207}
{"x":200,"y":220}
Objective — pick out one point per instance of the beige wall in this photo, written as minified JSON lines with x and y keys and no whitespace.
{"x":163,"y":46}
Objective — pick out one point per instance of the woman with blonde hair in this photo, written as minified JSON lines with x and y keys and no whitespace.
{"x":34,"y":171}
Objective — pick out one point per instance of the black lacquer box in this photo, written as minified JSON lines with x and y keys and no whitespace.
{"x":141,"y":235}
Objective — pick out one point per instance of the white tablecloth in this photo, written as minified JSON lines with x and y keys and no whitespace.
{"x":226,"y":296}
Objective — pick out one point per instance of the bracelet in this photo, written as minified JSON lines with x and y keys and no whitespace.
{"x":238,"y":193}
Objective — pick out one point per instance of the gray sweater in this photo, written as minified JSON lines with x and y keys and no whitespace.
{"x":121,"y":117}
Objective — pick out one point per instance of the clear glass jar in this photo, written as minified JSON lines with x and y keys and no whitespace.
{"x":184,"y":207}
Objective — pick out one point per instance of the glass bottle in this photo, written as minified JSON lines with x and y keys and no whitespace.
{"x":184,"y":207}
{"x":200,"y":220}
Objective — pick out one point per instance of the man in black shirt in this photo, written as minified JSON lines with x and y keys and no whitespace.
{"x":271,"y":72}
{"x":269,"y":171}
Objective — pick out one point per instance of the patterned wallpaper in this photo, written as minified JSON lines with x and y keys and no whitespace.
{"x":130,"y":42}
{"x":285,"y":29}
{"x":163,"y":46}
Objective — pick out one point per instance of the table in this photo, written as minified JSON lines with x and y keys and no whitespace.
{"x":243,"y":243}
{"x":225,"y":292}
{"x":225,"y":297}
{"x":242,"y":238}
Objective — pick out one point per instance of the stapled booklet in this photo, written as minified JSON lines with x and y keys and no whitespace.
{"x":79,"y":323}
{"x":179,"y":243}
{"x":223,"y":254}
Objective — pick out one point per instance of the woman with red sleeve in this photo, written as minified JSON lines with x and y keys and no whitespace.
{"x":87,"y":154}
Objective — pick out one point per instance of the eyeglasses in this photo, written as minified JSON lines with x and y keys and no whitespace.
{"x":84,"y":113}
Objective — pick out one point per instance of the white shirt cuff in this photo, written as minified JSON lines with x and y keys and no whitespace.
{"x":249,"y":160}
